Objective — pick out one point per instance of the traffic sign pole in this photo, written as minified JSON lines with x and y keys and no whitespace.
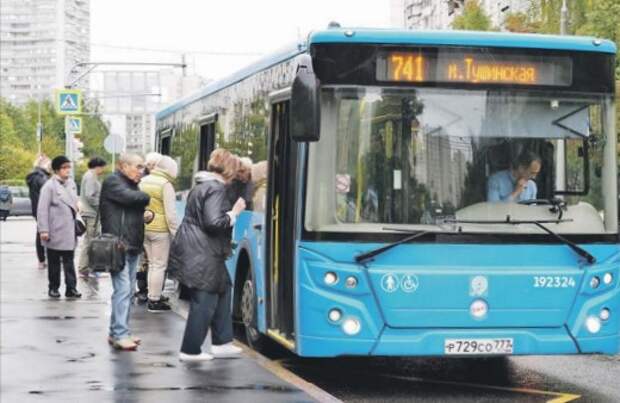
{"x":69,"y":143}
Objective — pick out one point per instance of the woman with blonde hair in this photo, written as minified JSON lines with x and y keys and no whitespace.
{"x":198,"y":252}
{"x":159,"y":184}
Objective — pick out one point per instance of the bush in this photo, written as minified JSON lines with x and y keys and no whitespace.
{"x":13,"y":182}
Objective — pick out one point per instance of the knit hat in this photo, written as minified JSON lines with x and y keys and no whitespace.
{"x":169,"y":166}
{"x":57,"y":162}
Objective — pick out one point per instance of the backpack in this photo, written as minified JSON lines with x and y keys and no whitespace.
{"x":5,"y":194}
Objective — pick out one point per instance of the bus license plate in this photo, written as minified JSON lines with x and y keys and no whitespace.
{"x":478,"y":346}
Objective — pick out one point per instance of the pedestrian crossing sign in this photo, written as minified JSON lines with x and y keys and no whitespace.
{"x":74,"y":125}
{"x":69,"y":101}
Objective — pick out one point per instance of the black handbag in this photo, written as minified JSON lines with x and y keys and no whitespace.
{"x":106,"y":252}
{"x":80,"y":226}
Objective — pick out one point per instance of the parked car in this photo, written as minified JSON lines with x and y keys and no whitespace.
{"x":21,"y":201}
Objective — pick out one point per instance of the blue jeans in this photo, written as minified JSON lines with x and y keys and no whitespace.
{"x":207,"y":310}
{"x":123,"y":283}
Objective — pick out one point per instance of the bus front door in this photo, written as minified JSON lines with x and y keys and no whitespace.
{"x":280,"y":228}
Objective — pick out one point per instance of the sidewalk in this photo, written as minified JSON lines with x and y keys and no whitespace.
{"x":56,"y":351}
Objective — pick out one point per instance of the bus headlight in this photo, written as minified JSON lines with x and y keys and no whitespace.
{"x":608,"y":278}
{"x":330,"y":278}
{"x":604,"y":314}
{"x":350,"y":282}
{"x":334,"y":315}
{"x":595,"y":282}
{"x":479,"y":309}
{"x":351,"y":326}
{"x":593,"y":324}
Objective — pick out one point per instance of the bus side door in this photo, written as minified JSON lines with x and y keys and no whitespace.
{"x":281,"y":227}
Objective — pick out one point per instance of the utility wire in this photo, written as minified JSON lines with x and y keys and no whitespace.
{"x":196,"y":52}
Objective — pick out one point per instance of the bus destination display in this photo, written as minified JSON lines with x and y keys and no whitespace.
{"x":473,"y":68}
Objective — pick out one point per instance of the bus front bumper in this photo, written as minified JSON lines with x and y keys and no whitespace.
{"x":431,"y":342}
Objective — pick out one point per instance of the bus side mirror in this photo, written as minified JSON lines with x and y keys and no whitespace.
{"x":305,"y":107}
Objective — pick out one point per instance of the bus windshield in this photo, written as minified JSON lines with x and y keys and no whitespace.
{"x":427,"y":158}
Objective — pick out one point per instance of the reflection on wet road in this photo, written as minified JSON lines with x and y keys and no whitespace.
{"x":57,"y":350}
{"x":521,"y":379}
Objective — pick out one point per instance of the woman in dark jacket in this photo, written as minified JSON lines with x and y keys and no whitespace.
{"x":35,"y":180}
{"x":197,"y":257}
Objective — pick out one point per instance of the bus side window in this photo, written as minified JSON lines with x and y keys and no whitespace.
{"x":206,"y":144}
{"x":164,"y":147}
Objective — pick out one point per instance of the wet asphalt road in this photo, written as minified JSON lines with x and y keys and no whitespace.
{"x":56,"y":350}
{"x":52,"y":351}
{"x":515,"y":379}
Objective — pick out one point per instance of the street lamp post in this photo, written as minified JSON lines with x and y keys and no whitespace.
{"x":560,"y":165}
{"x":94,"y":65}
{"x":563,"y":18}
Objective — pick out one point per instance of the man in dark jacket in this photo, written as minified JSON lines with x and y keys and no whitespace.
{"x":121,"y":208}
{"x":35,"y":180}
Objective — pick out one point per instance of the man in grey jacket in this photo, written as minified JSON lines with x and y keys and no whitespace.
{"x":89,"y":205}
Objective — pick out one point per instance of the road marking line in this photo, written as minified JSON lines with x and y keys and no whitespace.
{"x":281,"y":372}
{"x":566,"y":397}
{"x":559,"y":397}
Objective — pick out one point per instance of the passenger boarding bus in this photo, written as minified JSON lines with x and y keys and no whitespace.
{"x":419,"y":193}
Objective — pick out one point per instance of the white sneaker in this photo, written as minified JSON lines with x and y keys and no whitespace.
{"x":195,"y":357}
{"x":225,"y":350}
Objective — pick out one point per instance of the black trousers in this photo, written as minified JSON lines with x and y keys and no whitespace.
{"x":207,"y":310}
{"x":40,"y":249}
{"x":54,"y":258}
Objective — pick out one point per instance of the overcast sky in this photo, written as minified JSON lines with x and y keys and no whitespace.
{"x":250,"y":26}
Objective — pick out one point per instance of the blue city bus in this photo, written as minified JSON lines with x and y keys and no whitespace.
{"x":372,"y":229}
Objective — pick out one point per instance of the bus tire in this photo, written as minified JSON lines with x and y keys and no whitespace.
{"x":253,"y":337}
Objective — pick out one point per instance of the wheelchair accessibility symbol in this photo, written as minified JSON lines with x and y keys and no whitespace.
{"x":409,"y":283}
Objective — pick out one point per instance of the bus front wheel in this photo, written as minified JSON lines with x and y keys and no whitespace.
{"x":248,"y":313}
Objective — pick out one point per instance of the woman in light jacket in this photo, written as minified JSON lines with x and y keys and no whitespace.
{"x":197,"y":257}
{"x":56,"y":213}
{"x":159,"y":184}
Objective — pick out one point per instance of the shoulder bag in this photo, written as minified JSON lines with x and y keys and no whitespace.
{"x":106,"y":252}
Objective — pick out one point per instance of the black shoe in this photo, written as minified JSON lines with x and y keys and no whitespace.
{"x":163,"y":298}
{"x":141,"y":298}
{"x":53,"y":294}
{"x":158,"y":306}
{"x":73,"y":293}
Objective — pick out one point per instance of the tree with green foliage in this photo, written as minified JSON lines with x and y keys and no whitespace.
{"x":520,"y":23}
{"x":602,"y":19}
{"x":18,"y":142}
{"x":473,"y":18}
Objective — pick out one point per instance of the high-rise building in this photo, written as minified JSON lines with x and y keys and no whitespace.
{"x":397,"y":17}
{"x":40,"y":41}
{"x":129,"y":99}
{"x":439,"y":14}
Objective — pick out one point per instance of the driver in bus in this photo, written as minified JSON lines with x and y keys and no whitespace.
{"x":516,"y":183}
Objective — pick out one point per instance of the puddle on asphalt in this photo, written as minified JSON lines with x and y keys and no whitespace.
{"x":162,"y":365}
{"x":213,"y":388}
{"x":85,"y":357}
{"x":59,"y":317}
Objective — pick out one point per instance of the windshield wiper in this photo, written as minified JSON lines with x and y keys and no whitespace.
{"x":539,"y":223}
{"x":362,"y":257}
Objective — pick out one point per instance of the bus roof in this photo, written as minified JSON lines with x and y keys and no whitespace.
{"x":463,"y":38}
{"x":401,"y":37}
{"x":264,"y":63}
